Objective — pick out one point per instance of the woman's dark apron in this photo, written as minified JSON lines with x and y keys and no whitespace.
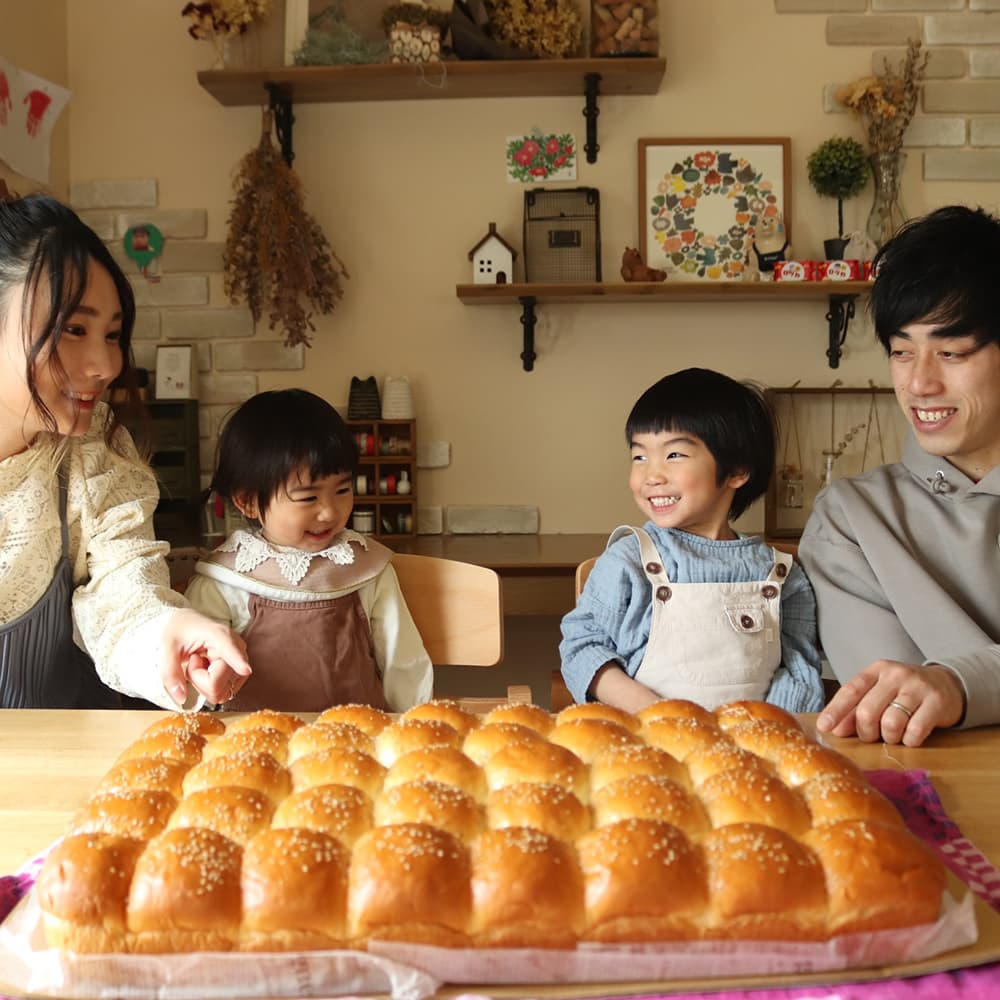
{"x":40,"y":664}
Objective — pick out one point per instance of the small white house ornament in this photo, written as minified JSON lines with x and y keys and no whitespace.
{"x":492,"y":259}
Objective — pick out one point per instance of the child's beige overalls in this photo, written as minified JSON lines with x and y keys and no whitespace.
{"x":710,"y":642}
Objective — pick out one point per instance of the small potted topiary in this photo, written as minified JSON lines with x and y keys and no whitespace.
{"x":838,"y":168}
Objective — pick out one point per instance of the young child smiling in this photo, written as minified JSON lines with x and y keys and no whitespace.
{"x":686,"y":607}
{"x":318,"y":605}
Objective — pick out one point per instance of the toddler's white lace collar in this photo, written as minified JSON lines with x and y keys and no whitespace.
{"x":253,"y":549}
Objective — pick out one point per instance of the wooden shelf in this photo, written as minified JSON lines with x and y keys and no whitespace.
{"x":840,"y":297}
{"x":669,"y":291}
{"x":432,"y":81}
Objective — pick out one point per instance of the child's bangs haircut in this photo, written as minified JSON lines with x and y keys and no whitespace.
{"x":940,"y":269}
{"x":734,"y":419}
{"x":274,"y":435}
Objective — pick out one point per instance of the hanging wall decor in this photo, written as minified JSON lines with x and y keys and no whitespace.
{"x":826,"y":432}
{"x":144,"y":244}
{"x":538,"y":156}
{"x":276,"y":257}
{"x":700,"y":201}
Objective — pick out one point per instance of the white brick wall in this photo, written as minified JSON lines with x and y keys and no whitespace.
{"x":959,"y":117}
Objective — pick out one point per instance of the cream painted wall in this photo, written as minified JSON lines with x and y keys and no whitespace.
{"x":404,"y":189}
{"x":33,"y":36}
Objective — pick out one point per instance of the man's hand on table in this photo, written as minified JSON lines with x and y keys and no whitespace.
{"x":895,"y":702}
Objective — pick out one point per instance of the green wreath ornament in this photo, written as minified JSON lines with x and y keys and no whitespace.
{"x":706,"y":173}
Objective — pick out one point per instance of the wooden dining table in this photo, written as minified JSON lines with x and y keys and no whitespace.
{"x":50,"y":761}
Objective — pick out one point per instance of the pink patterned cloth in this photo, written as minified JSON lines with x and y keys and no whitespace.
{"x":913,"y":794}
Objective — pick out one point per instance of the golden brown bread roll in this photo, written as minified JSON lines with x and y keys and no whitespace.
{"x":589,"y":737}
{"x":527,"y":890}
{"x":259,"y":771}
{"x":680,"y":735}
{"x":236,"y":813}
{"x":83,"y":890}
{"x":763,"y":885}
{"x":633,"y":759}
{"x":410,"y":882}
{"x":205,"y":724}
{"x":258,"y":739}
{"x":339,"y":767}
{"x":878,"y":876}
{"x":598,"y":710}
{"x":753,"y":795}
{"x":676,"y":708}
{"x":643,"y":881}
{"x":550,"y":808}
{"x":368,"y":719}
{"x":532,"y":716}
{"x":703,"y":762}
{"x":646,"y":797}
{"x":485,"y":741}
{"x":185,"y":893}
{"x":444,"y":806}
{"x":546,"y":763}
{"x":152,"y":774}
{"x":444,"y":764}
{"x":798,"y":763}
{"x":736,"y":713}
{"x":413,"y":734}
{"x":294,"y":891}
{"x":442,"y":710}
{"x":175,"y":744}
{"x":767,"y":740}
{"x":835,"y":797}
{"x":126,"y":813}
{"x":266,"y":717}
{"x":323,"y":735}
{"x":340,"y":811}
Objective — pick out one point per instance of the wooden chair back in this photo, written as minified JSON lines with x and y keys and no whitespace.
{"x":457,"y":608}
{"x":582,"y":572}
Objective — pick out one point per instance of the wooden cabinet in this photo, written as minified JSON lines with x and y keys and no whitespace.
{"x":171,"y":434}
{"x":385,"y":490}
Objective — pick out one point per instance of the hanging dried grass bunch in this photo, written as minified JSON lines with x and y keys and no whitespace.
{"x":276,"y":256}
{"x":549,"y":29}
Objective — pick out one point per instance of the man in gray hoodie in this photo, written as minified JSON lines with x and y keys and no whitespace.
{"x":905,"y":559}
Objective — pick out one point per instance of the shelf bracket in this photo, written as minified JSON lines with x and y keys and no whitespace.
{"x":839,"y":319}
{"x":528,"y":320}
{"x":591,"y":88}
{"x":281,"y":108}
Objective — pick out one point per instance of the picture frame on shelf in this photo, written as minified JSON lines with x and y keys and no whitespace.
{"x":825,"y":433}
{"x":699,"y":201}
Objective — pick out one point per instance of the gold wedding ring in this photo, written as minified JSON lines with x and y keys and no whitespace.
{"x":908,"y":712}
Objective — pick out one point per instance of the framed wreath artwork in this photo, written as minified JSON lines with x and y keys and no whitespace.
{"x":700,"y":200}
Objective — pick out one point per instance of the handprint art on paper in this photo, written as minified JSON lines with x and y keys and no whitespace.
{"x":38,"y":102}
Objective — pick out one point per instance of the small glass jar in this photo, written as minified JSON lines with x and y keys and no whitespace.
{"x":629,"y":28}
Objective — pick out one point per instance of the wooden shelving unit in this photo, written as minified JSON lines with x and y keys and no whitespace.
{"x":432,"y":81}
{"x":283,"y":87}
{"x":840,"y":297}
{"x":393,"y":457}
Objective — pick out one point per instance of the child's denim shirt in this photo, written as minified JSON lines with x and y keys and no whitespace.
{"x":611,"y":620}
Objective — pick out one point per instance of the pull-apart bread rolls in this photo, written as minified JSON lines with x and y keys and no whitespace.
{"x":263,"y":832}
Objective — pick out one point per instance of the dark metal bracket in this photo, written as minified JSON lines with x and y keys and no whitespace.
{"x":839,"y":318}
{"x":528,"y":320}
{"x":281,"y":108}
{"x":591,"y":83}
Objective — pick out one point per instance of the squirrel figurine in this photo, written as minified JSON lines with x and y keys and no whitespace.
{"x":633,"y":269}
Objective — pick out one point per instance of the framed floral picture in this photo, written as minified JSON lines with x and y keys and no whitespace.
{"x":700,"y":201}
